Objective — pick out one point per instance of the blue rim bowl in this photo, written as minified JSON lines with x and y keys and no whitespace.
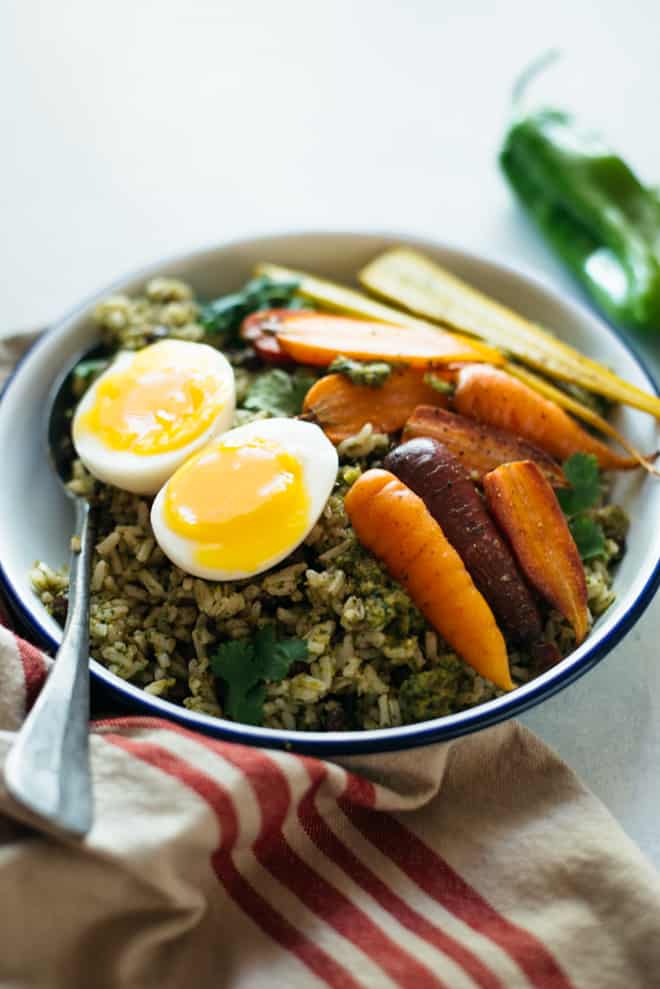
{"x":213,"y":271}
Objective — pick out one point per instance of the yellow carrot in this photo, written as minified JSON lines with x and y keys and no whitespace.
{"x":425,"y":288}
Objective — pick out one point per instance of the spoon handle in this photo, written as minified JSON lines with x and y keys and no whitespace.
{"x":47,"y":769}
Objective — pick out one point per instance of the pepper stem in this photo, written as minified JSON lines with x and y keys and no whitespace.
{"x":530,"y":72}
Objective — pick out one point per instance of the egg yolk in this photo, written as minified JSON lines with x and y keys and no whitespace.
{"x":164,"y":399}
{"x":240,"y":504}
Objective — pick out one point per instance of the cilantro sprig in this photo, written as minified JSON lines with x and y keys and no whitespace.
{"x":279,"y":392}
{"x":583,"y":476}
{"x":245,"y":665}
{"x":223,"y":317}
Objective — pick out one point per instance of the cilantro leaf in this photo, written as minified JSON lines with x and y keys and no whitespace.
{"x":233,"y":664}
{"x":274,"y":658}
{"x":588,"y":535}
{"x":223,"y":317}
{"x":285,"y":654}
{"x":246,"y":664}
{"x":250,"y":708}
{"x":278,"y":392}
{"x":582,"y":473}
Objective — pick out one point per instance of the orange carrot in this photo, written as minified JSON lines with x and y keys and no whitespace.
{"x":393,"y":523}
{"x":318,"y":338}
{"x":492,"y":396}
{"x":478,"y":446}
{"x":527,"y":511}
{"x":342,"y":408}
{"x":259,"y":330}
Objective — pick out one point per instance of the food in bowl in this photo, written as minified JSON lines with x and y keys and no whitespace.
{"x":337,"y":635}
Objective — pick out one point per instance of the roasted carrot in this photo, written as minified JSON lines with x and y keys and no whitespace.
{"x":435,"y":474}
{"x":318,"y":338}
{"x":394,"y":524}
{"x":527,"y":511}
{"x":478,"y":446}
{"x":331,"y":297}
{"x":492,"y":396}
{"x":259,"y":329}
{"x":580,"y":411}
{"x":342,"y":408}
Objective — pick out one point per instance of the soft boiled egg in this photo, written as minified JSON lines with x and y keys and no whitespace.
{"x":151,"y":410}
{"x":246,"y":500}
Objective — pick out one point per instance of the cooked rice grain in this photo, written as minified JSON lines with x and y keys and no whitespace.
{"x":158,"y":627}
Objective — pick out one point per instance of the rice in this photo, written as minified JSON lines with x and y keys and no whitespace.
{"x":372,"y":660}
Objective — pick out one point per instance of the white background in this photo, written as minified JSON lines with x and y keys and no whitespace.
{"x":134,"y":129}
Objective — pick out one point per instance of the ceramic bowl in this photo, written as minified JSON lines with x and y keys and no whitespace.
{"x":36,"y":518}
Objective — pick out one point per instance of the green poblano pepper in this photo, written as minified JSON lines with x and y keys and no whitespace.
{"x":593,"y":210}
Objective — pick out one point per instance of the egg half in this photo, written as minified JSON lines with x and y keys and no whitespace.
{"x":151,"y":410}
{"x":247,"y":500}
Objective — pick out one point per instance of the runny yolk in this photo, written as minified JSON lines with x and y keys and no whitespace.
{"x":161,"y":401}
{"x":241,"y":505}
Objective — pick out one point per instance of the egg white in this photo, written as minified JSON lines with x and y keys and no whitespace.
{"x":317,"y":457}
{"x":144,"y":474}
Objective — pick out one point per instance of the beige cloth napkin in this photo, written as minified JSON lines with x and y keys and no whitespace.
{"x":481,"y":863}
{"x":13,"y":347}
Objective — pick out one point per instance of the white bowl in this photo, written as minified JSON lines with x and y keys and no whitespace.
{"x":36,"y":518}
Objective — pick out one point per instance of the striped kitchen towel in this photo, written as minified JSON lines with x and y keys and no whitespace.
{"x":483,"y":863}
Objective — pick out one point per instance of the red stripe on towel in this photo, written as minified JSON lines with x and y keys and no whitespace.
{"x":271,"y":787}
{"x":423,"y":866}
{"x":248,"y":899}
{"x":438,"y":880}
{"x":35,"y":670}
{"x":327,"y":841}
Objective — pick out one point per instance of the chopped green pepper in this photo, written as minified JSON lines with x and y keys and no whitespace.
{"x":593,"y":210}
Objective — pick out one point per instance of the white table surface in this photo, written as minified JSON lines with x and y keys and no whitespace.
{"x":138,"y":128}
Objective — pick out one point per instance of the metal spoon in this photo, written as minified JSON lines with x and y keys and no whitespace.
{"x":48,"y":768}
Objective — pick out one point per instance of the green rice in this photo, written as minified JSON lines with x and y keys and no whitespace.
{"x":373,"y":661}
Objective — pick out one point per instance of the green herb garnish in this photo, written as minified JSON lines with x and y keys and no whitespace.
{"x":439,"y":384}
{"x":583,"y":475}
{"x":588,"y":535}
{"x":86,"y":372}
{"x":223,"y":316}
{"x":278,"y":392}
{"x":245,"y":665}
{"x":90,"y":368}
{"x":371,"y":373}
